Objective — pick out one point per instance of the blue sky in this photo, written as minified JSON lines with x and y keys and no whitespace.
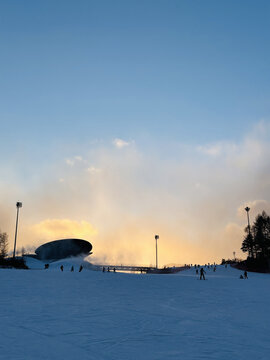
{"x":183,"y":70}
{"x":169,"y":78}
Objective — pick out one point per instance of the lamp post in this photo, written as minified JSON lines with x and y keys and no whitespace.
{"x":18,"y":206}
{"x":156,"y":238}
{"x":247,"y":210}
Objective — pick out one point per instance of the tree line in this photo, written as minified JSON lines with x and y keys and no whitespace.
{"x":257,"y":238}
{"x":9,"y":262}
{"x":3,"y":245}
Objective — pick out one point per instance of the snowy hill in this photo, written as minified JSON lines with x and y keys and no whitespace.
{"x":49,"y":314}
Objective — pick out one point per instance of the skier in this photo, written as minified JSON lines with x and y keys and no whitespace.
{"x":103,"y":269}
{"x":245,"y":275}
{"x":113,"y":269}
{"x":197,"y":272}
{"x":202,"y":272}
{"x":62,"y":267}
{"x":80,"y":269}
{"x":46,"y":266}
{"x":72,"y":268}
{"x":108,"y":270}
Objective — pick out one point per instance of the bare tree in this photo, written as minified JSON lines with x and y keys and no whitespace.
{"x":3,"y":245}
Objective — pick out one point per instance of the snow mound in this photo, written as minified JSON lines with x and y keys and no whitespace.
{"x":76,"y":262}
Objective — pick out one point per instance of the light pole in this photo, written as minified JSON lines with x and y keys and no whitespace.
{"x":156,"y":238}
{"x":247,"y":210}
{"x":18,"y":205}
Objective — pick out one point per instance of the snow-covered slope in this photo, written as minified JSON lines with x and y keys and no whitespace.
{"x":49,"y":314}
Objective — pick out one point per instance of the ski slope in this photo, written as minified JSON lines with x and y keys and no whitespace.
{"x":49,"y":314}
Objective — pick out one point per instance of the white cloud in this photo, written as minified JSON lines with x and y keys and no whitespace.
{"x":93,"y":170}
{"x":70,"y":162}
{"x":212,"y":150}
{"x":189,"y":198}
{"x":75,"y":159}
{"x":120,"y":143}
{"x":218,"y":149}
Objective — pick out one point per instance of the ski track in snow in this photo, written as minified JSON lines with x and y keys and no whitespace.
{"x":49,"y":314}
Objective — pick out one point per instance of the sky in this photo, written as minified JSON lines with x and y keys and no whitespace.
{"x":125,"y":119}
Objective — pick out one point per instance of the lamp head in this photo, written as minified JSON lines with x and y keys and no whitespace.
{"x":247,"y":209}
{"x":18,"y":204}
{"x":156,"y":237}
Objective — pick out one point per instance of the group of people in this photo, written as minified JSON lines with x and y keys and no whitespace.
{"x":203,"y":272}
{"x":72,"y":268}
{"x":108,"y":269}
{"x":46,"y":266}
{"x":245,"y":276}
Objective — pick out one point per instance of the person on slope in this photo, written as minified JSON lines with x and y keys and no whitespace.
{"x":62,"y":267}
{"x":80,"y":269}
{"x":245,"y":275}
{"x":202,"y":272}
{"x":197,"y":272}
{"x":72,"y":268}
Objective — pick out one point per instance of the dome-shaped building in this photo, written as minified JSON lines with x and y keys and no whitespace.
{"x":60,"y":249}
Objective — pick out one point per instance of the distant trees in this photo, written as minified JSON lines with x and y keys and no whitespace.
{"x":23,"y":250}
{"x":3,"y":245}
{"x":9,"y":262}
{"x":257,"y":239}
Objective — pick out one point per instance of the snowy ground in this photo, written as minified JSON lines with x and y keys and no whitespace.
{"x":48,"y":314}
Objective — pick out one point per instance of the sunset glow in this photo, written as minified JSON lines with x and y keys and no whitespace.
{"x":122,"y":122}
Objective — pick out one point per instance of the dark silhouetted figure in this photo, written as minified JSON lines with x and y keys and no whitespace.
{"x":202,"y":272}
{"x":46,"y":266}
{"x":62,"y":267}
{"x":72,"y":268}
{"x":80,"y":269}
{"x":245,"y":275}
{"x":241,"y":277}
{"x":197,"y":272}
{"x":103,"y":269}
{"x":214,"y":269}
{"x":113,"y":269}
{"x":108,"y":270}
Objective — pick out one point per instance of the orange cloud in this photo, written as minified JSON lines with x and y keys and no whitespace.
{"x":52,"y":229}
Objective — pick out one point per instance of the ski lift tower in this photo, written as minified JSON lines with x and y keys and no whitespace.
{"x":18,"y":206}
{"x":156,"y":238}
{"x":247,"y":210}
